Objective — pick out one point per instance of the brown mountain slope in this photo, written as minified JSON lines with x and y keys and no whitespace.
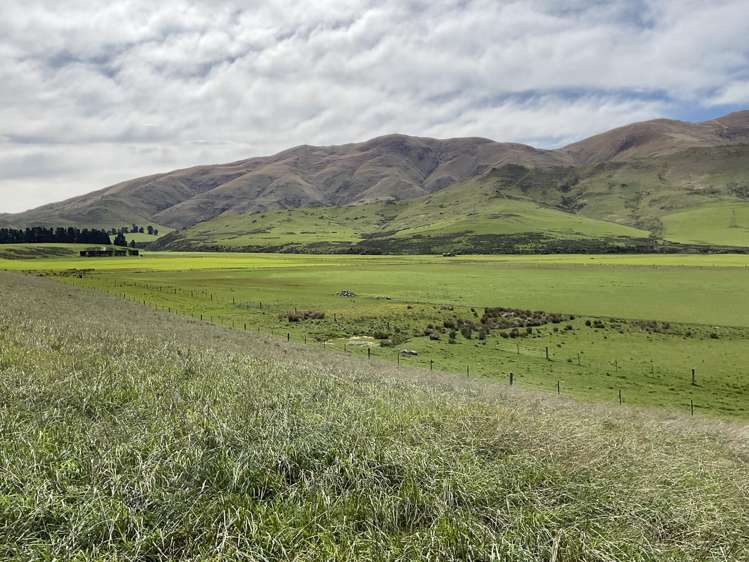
{"x":660,"y":137}
{"x":393,"y":167}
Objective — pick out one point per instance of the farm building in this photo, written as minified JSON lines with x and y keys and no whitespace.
{"x":108,"y":252}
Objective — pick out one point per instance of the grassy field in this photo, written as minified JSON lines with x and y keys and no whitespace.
{"x":133,"y":434}
{"x":641,"y":323}
{"x":28,"y":251}
{"x":724,"y":223}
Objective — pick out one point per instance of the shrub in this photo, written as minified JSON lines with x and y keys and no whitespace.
{"x":301,"y":315}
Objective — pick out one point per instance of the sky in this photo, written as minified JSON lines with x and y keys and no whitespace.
{"x":96,"y":92}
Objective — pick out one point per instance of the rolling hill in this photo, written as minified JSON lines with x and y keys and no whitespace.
{"x":629,"y":182}
{"x":471,"y":216}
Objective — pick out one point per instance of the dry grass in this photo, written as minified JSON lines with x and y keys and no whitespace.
{"x":129,"y":434}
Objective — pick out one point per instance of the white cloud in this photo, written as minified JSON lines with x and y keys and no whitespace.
{"x":735,"y":93}
{"x":94,"y":92}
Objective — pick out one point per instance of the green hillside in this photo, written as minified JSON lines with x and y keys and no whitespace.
{"x":642,"y":192}
{"x":601,"y":207}
{"x":724,"y":222}
{"x":468,"y":217}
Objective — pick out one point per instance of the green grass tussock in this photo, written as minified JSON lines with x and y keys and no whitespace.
{"x":131,"y":434}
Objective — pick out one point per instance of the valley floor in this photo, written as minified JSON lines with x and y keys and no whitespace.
{"x":131,"y":433}
{"x":615,"y":328}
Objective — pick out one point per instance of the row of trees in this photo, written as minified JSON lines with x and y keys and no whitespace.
{"x":41,"y":234}
{"x":120,"y":240}
{"x":135,"y":229}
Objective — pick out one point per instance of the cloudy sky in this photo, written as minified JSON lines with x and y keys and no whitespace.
{"x":94,"y":92}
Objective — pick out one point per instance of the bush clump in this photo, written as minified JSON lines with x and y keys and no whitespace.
{"x":301,"y":315}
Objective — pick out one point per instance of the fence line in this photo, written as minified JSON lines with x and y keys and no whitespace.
{"x":329,"y":345}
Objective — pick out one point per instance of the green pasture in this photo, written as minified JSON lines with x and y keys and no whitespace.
{"x":14,"y":252}
{"x":398,"y":298}
{"x":129,"y":433}
{"x":725,"y":223}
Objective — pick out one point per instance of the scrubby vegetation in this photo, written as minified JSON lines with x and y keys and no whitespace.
{"x":132,"y":434}
{"x":301,"y":315}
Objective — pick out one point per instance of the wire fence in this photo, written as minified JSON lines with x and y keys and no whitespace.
{"x":243,"y":323}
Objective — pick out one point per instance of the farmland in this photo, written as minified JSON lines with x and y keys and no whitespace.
{"x":130,"y":433}
{"x":635,"y":325}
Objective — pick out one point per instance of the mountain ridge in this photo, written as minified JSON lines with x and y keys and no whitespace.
{"x":629,"y":175}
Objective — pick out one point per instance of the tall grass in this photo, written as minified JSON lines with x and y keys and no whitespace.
{"x":134,"y":435}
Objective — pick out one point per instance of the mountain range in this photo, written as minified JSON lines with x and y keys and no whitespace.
{"x":660,"y":180}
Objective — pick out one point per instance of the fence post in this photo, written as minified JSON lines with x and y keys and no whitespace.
{"x":369,"y":352}
{"x":431,"y":364}
{"x":511,"y":377}
{"x":547,"y":352}
{"x":559,"y":390}
{"x":620,"y":396}
{"x":691,"y":406}
{"x":694,"y":377}
{"x":288,"y":336}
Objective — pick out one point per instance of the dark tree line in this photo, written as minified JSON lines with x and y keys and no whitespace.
{"x":135,"y":229}
{"x":40,"y":234}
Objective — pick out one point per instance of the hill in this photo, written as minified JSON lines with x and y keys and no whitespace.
{"x":140,"y":435}
{"x":472,"y":216}
{"x":632,"y":176}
